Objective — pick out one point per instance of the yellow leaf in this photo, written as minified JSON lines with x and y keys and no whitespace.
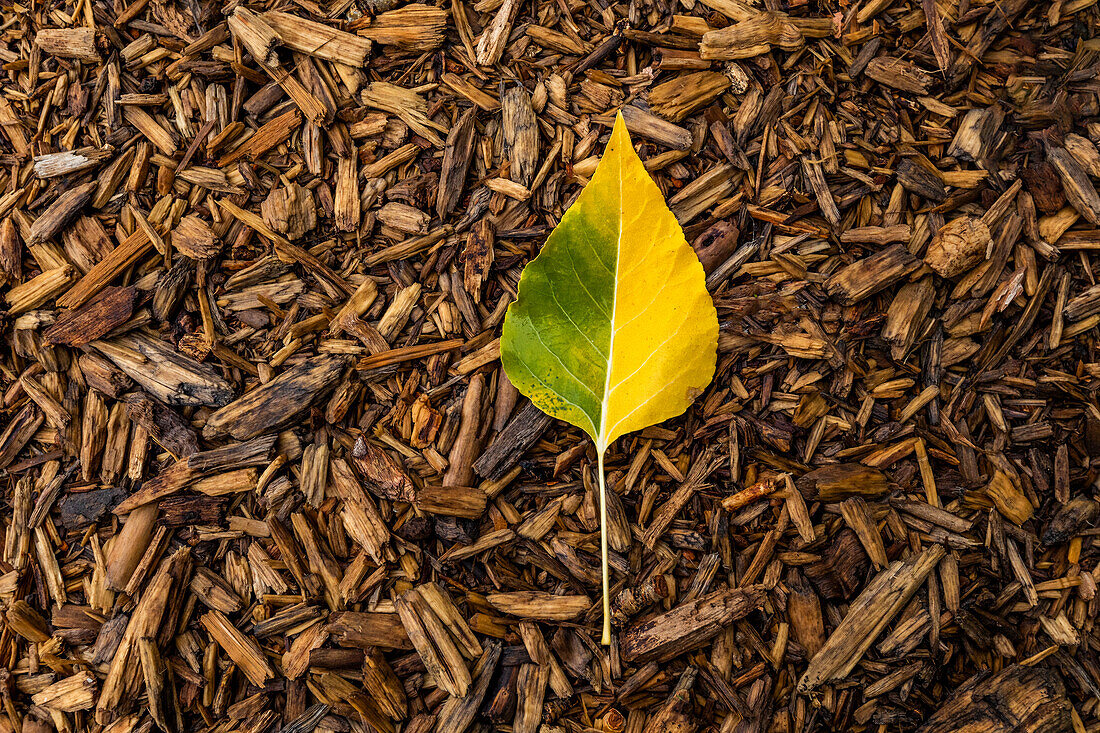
{"x":614,"y":329}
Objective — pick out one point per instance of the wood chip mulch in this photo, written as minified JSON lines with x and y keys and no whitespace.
{"x":261,"y":469}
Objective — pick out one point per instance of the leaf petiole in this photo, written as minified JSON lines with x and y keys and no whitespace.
{"x":603,"y":554}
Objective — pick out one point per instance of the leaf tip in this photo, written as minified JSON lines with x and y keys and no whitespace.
{"x":620,"y":125}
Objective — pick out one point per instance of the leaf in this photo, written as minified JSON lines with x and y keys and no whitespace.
{"x":613,"y":329}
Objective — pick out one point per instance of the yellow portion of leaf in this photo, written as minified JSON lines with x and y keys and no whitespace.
{"x":664,"y":327}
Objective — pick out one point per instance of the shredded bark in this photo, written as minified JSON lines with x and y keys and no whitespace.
{"x":261,"y":467}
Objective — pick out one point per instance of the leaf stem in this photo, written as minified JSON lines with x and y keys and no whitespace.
{"x":603,"y":555}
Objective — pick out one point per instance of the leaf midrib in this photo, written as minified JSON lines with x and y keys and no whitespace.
{"x":601,"y":441}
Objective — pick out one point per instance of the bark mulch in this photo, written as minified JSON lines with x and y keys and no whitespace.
{"x":262,"y":471}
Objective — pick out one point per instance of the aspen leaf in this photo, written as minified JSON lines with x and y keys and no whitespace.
{"x":613,"y":329}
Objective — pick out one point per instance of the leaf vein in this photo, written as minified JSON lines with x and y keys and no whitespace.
{"x":645,"y":310}
{"x":564,"y":367}
{"x":652,"y":353}
{"x":580,"y":281}
{"x":565,"y":312}
{"x":644,"y":402}
{"x":588,"y":241}
{"x":563,"y":398}
{"x":637,"y":407}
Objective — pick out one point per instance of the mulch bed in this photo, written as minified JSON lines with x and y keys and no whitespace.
{"x":262,"y":470}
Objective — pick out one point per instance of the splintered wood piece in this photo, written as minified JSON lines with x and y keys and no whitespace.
{"x":457,"y":713}
{"x":681,"y":96}
{"x":530,"y":692}
{"x":365,"y":630}
{"x":858,"y":517}
{"x":277,"y":402}
{"x":215,"y":592}
{"x":295,"y":661}
{"x":132,"y":249}
{"x":153,"y":131}
{"x":407,"y":353}
{"x":807,"y":621}
{"x":195,"y":466}
{"x":56,"y":165}
{"x":317,"y":39}
{"x":694,"y":481}
{"x":460,"y":471}
{"x":27,"y":622}
{"x":467,"y":501}
{"x":871,"y":274}
{"x":867,"y":616}
{"x":959,"y":245}
{"x":315,"y":458}
{"x":385,"y":476}
{"x":415,"y":27}
{"x":144,"y":623}
{"x":1018,"y":697}
{"x":68,"y":43}
{"x":261,"y":40}
{"x":70,"y":694}
{"x":335,"y":688}
{"x":905,"y":319}
{"x":1080,"y":192}
{"x":675,"y":714}
{"x":359,"y":513}
{"x":878,"y":235}
{"x":194,"y":238}
{"x":540,"y":653}
{"x":899,"y":74}
{"x":271,"y":134}
{"x":457,"y":154}
{"x":521,"y":138}
{"x":651,"y":127}
{"x":755,"y":34}
{"x":1075,"y":515}
{"x":95,"y":319}
{"x":11,"y":257}
{"x":478,"y":257}
{"x":165,"y":373}
{"x":38,"y":290}
{"x":347,"y":195}
{"x":256,"y":35}
{"x":130,"y":545}
{"x":407,"y":104}
{"x":242,"y":649}
{"x":347,"y":318}
{"x":383,"y":686}
{"x":1008,"y":498}
{"x":153,"y":673}
{"x":838,"y":481}
{"x":55,"y":412}
{"x":521,"y":432}
{"x":490,"y":45}
{"x":85,"y":242}
{"x":290,"y":211}
{"x":448,"y":613}
{"x":816,"y":180}
{"x":689,"y":625}
{"x":62,"y":211}
{"x":433,"y":643}
{"x":539,"y":605}
{"x":12,"y":127}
